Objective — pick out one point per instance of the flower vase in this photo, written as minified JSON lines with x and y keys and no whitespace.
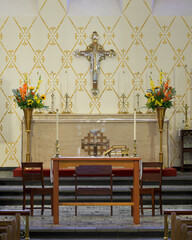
{"x":160,"y":117}
{"x":28,"y":113}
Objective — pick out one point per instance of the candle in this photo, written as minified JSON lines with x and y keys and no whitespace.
{"x":57,"y":133}
{"x":174,"y":85}
{"x":134,"y":125}
{"x":186,"y":85}
{"x":67,"y":79}
{"x":118,"y":86}
{"x":134,"y":100}
{"x":124,"y":90}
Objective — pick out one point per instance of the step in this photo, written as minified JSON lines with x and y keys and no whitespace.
{"x":66,"y":181}
{"x":92,"y":233}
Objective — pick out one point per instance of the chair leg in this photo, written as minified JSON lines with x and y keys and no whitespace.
{"x":52,"y":205}
{"x":32,"y":196}
{"x":23,"y":201}
{"x":160,"y":203}
{"x":75,"y":201}
{"x":111,"y":198}
{"x":141,"y":203}
{"x":131,"y":201}
{"x":153,"y":203}
{"x":75,"y":210}
{"x":75,"y":194}
{"x":42,"y":204}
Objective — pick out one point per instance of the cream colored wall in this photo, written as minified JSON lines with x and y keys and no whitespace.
{"x":144,"y":44}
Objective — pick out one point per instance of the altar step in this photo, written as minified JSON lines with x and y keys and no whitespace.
{"x":117,"y":172}
{"x":175,"y":190}
{"x":93,"y":234}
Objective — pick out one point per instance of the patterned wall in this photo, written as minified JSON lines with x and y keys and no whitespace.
{"x":144,"y":44}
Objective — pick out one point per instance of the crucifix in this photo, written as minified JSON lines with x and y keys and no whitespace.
{"x":95,"y":53}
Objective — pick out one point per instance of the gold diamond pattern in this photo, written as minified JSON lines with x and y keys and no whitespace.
{"x":144,"y":44}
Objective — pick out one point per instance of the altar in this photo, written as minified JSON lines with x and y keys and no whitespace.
{"x":118,"y":128}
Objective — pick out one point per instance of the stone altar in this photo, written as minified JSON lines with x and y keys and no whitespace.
{"x":72,"y":128}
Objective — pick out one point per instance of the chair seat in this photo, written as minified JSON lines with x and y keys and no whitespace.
{"x":149,"y":190}
{"x":93,"y":191}
{"x":39,"y":190}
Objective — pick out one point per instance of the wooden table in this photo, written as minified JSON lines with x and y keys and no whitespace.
{"x":127,"y":162}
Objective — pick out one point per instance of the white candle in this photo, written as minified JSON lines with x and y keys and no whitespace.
{"x":186,"y":85}
{"x":146,"y":83}
{"x":57,"y":133}
{"x":174,"y":85}
{"x":134,"y":125}
{"x":118,"y":86}
{"x":124,"y":90}
{"x":67,"y":79}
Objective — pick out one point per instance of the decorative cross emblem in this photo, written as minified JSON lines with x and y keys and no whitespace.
{"x":95,"y":143}
{"x":95,"y":54}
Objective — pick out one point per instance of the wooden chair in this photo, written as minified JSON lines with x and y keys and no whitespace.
{"x":93,"y":171}
{"x":147,"y":178}
{"x":167,"y":213}
{"x":17,"y":214}
{"x":35,"y":177}
{"x":14,"y":223}
{"x":180,"y":228}
{"x":9,"y":231}
{"x":3,"y":236}
{"x":189,"y":235}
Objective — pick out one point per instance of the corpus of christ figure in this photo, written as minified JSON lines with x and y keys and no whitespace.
{"x":95,"y":53}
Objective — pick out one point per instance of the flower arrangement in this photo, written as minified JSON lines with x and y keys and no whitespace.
{"x":28,"y":97}
{"x":160,"y":95}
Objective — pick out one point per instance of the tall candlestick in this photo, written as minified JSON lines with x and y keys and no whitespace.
{"x":57,"y":133}
{"x":134,"y":124}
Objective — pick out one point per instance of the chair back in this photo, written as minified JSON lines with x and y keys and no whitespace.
{"x":94,"y":170}
{"x":32,"y":172}
{"x":149,"y":175}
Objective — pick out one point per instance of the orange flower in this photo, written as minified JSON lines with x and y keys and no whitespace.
{"x":166,"y":99}
{"x":25,"y":86}
{"x":166,"y":85}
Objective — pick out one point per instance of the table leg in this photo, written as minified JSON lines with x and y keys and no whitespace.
{"x":136,"y":217}
{"x":56,"y":192}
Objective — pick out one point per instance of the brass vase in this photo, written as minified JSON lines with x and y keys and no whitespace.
{"x":160,"y":117}
{"x":28,"y":113}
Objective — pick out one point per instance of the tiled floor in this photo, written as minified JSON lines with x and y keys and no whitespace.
{"x":96,"y":218}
